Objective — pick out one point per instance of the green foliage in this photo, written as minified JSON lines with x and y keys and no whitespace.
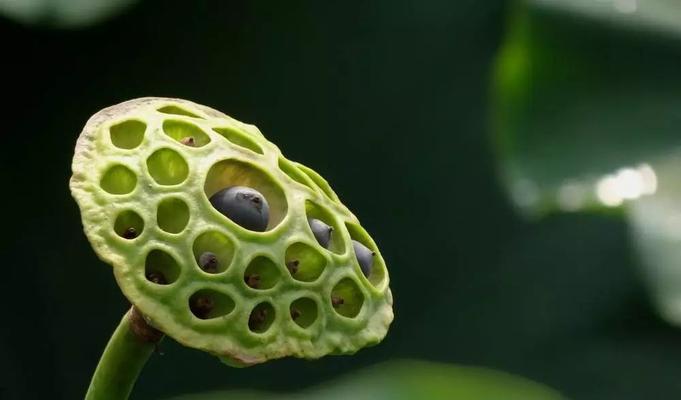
{"x":408,"y":380}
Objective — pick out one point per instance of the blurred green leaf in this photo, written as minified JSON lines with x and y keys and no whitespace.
{"x":62,"y":13}
{"x":576,"y":99}
{"x":407,"y":380}
{"x":587,"y":116}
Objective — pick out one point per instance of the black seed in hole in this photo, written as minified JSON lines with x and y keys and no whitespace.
{"x":293,"y":266}
{"x":201,"y":306}
{"x":243,"y":205}
{"x":365,"y":257}
{"x":156,"y":277}
{"x":188,"y":141}
{"x":322,"y":232}
{"x":257,"y":319}
{"x":209,"y":262}
{"x":337,"y":301}
{"x":295,"y":314}
{"x":130,"y":233}
{"x":252,"y":280}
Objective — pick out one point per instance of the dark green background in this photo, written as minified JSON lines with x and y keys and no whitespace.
{"x":387,"y":100}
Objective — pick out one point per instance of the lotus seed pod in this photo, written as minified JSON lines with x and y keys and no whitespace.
{"x":245,"y":206}
{"x":321,"y":231}
{"x":145,"y":176}
{"x":365,"y":257}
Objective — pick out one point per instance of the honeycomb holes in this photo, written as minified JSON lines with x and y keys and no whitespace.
{"x":304,"y":262}
{"x":261,"y":273}
{"x":217,"y":248}
{"x":177,"y":110}
{"x":186,"y":133}
{"x":172,"y":215}
{"x":239,"y":138}
{"x":167,"y":167}
{"x":377,"y":275}
{"x":313,"y":210}
{"x":210,"y":304}
{"x":261,"y":317}
{"x":294,"y":173}
{"x":231,"y":172}
{"x":161,"y":268}
{"x":304,"y":312}
{"x":346,"y":298}
{"x":127,"y":134}
{"x":128,"y":224}
{"x":118,"y":179}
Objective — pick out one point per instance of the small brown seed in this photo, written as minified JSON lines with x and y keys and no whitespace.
{"x":130,"y":233}
{"x":257,"y":318}
{"x":201,"y":306}
{"x":295,"y":314}
{"x":188,"y":141}
{"x":252,"y":280}
{"x":337,"y":301}
{"x":293,"y":266}
{"x":209,"y":262}
{"x":156,"y":277}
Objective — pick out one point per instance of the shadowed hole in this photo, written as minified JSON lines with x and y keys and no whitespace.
{"x":161,"y":268}
{"x":176,"y":110}
{"x":294,"y":173}
{"x":228,"y":173}
{"x":346,"y":298}
{"x":167,"y":167}
{"x":239,"y":138}
{"x":209,"y":304}
{"x":304,"y":262}
{"x":261,"y":317}
{"x":378,"y":269}
{"x":262,"y":273}
{"x":304,"y":312}
{"x":128,"y":225}
{"x":313,"y":210}
{"x":186,"y":133}
{"x":118,"y":179}
{"x":319,"y":181}
{"x":127,"y":134}
{"x":216,"y":244}
{"x":172,"y":215}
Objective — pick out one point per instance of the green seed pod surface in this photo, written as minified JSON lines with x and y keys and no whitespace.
{"x":143,"y":172}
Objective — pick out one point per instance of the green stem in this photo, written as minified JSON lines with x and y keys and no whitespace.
{"x":125,"y":355}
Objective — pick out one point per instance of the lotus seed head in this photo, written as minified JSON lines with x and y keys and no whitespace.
{"x":222,"y":243}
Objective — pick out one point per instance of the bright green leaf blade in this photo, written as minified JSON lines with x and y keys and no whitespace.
{"x":407,"y":380}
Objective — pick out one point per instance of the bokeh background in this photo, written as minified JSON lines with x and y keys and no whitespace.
{"x":471,"y":138}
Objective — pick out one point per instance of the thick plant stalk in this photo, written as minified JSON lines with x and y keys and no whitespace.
{"x":125,"y":355}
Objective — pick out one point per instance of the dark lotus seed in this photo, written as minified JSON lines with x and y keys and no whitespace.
{"x":188,"y":141}
{"x":157,"y":278}
{"x":322,"y":232}
{"x":252,"y":280}
{"x":208,"y":262}
{"x":256,"y":319}
{"x":244,"y":206}
{"x":201,"y":306}
{"x":293,"y":266}
{"x":337,"y":301}
{"x":365,"y":257}
{"x":130,"y":233}
{"x":295,"y":314}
